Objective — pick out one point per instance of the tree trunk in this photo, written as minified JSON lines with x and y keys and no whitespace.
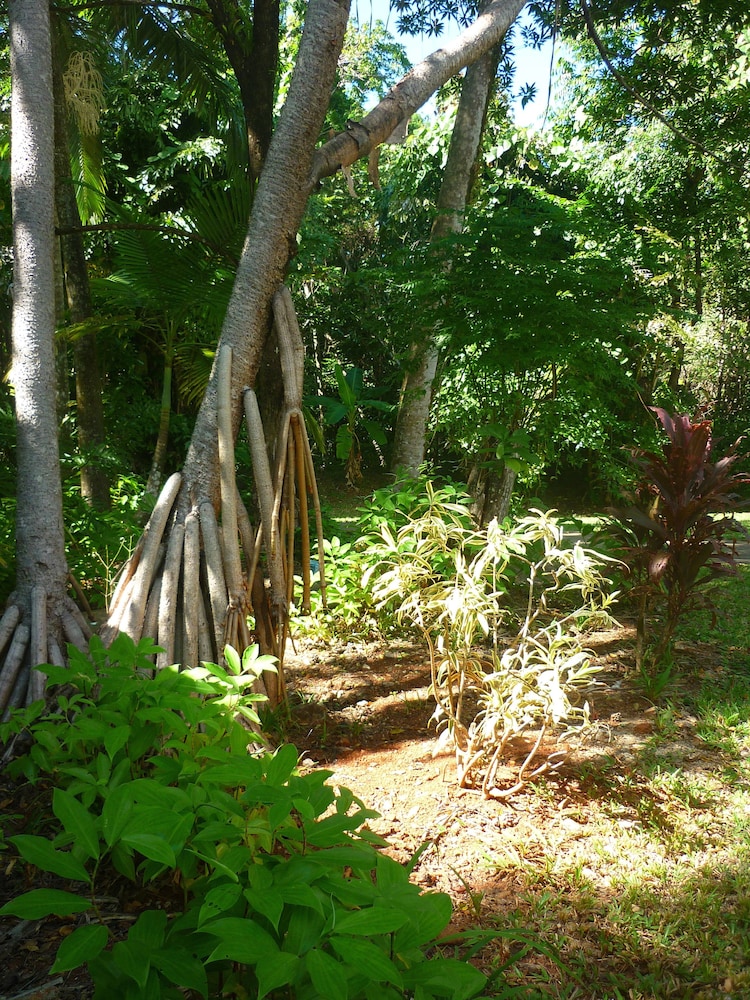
{"x":159,"y":460}
{"x":416,"y":394}
{"x":206,"y":487}
{"x":415,"y":89}
{"x":253,"y":53}
{"x":37,"y":611}
{"x":291,"y":170}
{"x":89,"y":408}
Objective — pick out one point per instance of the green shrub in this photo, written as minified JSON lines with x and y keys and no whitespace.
{"x":349,"y":609}
{"x":275,"y":887}
{"x":501,"y":670}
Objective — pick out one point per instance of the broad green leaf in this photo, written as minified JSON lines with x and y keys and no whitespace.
{"x":326,"y":974}
{"x":83,"y":945}
{"x":268,"y":903}
{"x":152,"y":847}
{"x":43,"y":902}
{"x":344,"y":442}
{"x":147,"y":792}
{"x":181,"y":968}
{"x":275,"y":970}
{"x":116,"y":739}
{"x":301,"y":895}
{"x":282,"y":764}
{"x":132,"y":959}
{"x":122,"y":860}
{"x":116,"y":812}
{"x":429,"y":914}
{"x":149,"y":929}
{"x":39,"y":851}
{"x":239,"y":940}
{"x":232,"y":658}
{"x":374,"y":920}
{"x":376,"y":432}
{"x":445,"y":977}
{"x":219,"y":900}
{"x":366,"y":957}
{"x":77,"y":821}
{"x":235,"y":772}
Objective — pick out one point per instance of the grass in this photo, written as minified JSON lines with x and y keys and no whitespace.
{"x":651,"y":901}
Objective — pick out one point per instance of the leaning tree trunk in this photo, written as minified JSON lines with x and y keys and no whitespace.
{"x":460,"y":167}
{"x":39,"y":614}
{"x":188,"y":568}
{"x":186,"y":584}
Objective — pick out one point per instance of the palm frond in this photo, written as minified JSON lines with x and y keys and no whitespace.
{"x":88,"y":176}
{"x":220,"y":212}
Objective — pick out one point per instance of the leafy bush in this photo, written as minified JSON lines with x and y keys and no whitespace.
{"x":98,"y":542}
{"x":347,"y":414}
{"x":675,"y":531}
{"x":275,"y":888}
{"x":348,"y":608}
{"x":459,"y":586}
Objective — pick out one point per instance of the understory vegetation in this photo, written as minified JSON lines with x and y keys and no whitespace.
{"x":268,"y":283}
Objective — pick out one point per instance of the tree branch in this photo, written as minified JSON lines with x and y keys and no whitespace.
{"x":419,"y":84}
{"x":109,"y":227}
{"x":97,"y":4}
{"x":651,"y":108}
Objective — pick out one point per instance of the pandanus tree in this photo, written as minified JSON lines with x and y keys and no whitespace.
{"x":185,"y":583}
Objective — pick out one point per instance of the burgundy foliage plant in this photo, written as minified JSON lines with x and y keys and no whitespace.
{"x":678,"y":524}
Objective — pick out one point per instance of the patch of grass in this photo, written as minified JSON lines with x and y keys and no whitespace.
{"x":729,"y":628}
{"x":650,"y":898}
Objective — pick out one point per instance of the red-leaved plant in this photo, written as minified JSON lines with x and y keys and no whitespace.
{"x":678,"y":521}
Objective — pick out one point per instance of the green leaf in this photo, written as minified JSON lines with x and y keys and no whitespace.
{"x":44,"y":902}
{"x":152,"y":847}
{"x":149,"y":929}
{"x":181,"y":968}
{"x":374,"y":920}
{"x":218,"y":900}
{"x":83,"y":945}
{"x":240,"y":940}
{"x":346,"y":385}
{"x":282,"y":764}
{"x":116,"y":811}
{"x":232,"y":658}
{"x":116,"y":739}
{"x":376,"y":432}
{"x":344,"y":442}
{"x":275,"y":970}
{"x":77,"y":821}
{"x":326,"y":975}
{"x":133,"y":960}
{"x":429,"y":914}
{"x":39,"y":851}
{"x":367,"y":958}
{"x":445,"y":977}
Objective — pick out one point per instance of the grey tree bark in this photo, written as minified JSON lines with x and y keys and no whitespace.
{"x":416,"y":393}
{"x":291,"y":172}
{"x":293,"y":167}
{"x":419,"y":84}
{"x":271,"y":239}
{"x":34,"y":622}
